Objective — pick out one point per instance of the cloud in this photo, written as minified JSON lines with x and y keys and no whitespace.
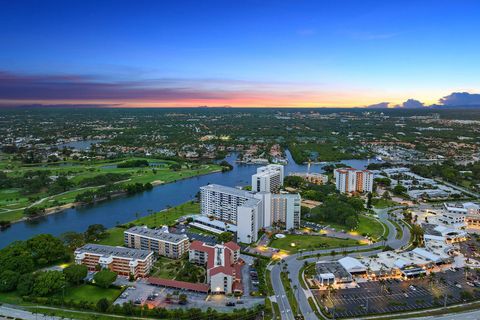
{"x":74,"y":87}
{"x":461,"y":99}
{"x":381,"y":105}
{"x":411,"y":104}
{"x":20,"y":89}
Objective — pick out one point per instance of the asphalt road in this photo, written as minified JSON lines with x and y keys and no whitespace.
{"x":294,"y":266}
{"x":472,"y":315}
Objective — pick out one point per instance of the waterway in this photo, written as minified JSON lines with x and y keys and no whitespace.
{"x":79,"y":145}
{"x":124,"y":209}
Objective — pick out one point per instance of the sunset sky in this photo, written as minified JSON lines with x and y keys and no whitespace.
{"x":239,"y":53}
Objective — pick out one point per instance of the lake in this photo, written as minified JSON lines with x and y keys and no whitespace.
{"x":79,"y":145}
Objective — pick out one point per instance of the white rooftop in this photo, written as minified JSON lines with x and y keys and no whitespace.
{"x":352,"y":264}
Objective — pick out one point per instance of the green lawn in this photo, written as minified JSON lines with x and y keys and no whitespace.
{"x":72,"y":314}
{"x":366,"y":225}
{"x":91,"y":293}
{"x":166,"y":268}
{"x":306,"y":242}
{"x":290,"y":292}
{"x":168,"y":216}
{"x":381,"y":203}
{"x":370,"y":226}
{"x":398,"y":228}
{"x":165,"y":217}
{"x":11,"y":298}
{"x":114,"y":238}
{"x":14,"y":199}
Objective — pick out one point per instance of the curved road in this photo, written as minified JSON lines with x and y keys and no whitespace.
{"x":294,"y":265}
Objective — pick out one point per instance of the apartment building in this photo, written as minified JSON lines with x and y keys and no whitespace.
{"x":249,"y":215}
{"x":123,"y":261}
{"x":222,"y":202}
{"x":349,"y":180}
{"x":281,"y":210}
{"x":232,"y":206}
{"x":160,"y":241}
{"x":268,"y":178}
{"x":223,"y":265}
{"x":246,"y":212}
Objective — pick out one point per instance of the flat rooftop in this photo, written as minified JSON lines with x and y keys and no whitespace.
{"x":120,"y":252}
{"x":429,"y":228}
{"x":229,"y":190}
{"x":333,"y":267}
{"x":157,"y":234}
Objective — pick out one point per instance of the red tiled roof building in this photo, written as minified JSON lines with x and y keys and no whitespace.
{"x":223,"y":265}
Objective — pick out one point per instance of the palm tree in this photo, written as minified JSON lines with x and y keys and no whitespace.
{"x":431,"y":278}
{"x":295,"y":289}
{"x":330,"y":289}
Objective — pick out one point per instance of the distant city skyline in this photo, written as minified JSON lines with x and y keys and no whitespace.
{"x":240,"y":54}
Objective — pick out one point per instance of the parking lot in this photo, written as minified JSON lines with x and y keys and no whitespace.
{"x":141,"y":292}
{"x":137,"y":292}
{"x":470,"y":248}
{"x":397,"y":296}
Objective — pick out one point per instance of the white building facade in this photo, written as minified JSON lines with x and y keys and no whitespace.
{"x":247,"y":212}
{"x":349,"y":180}
{"x":268,"y":178}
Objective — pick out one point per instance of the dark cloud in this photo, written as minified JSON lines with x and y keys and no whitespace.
{"x":461,"y":99}
{"x":381,"y":105}
{"x":55,"y":87}
{"x":411,"y":104}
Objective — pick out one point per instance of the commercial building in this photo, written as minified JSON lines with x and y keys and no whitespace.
{"x":123,"y":261}
{"x":331,"y":272}
{"x":448,"y":234}
{"x":447,"y":217}
{"x":418,"y":186}
{"x":268,"y":178}
{"x":352,"y":265}
{"x":349,"y":180}
{"x":408,"y":264}
{"x":223,"y":265}
{"x":468,"y":213}
{"x":160,"y":241}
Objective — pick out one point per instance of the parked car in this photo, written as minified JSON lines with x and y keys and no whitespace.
{"x":230,"y":304}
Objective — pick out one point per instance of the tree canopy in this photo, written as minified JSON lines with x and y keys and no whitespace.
{"x":75,"y":273}
{"x":105,"y":278}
